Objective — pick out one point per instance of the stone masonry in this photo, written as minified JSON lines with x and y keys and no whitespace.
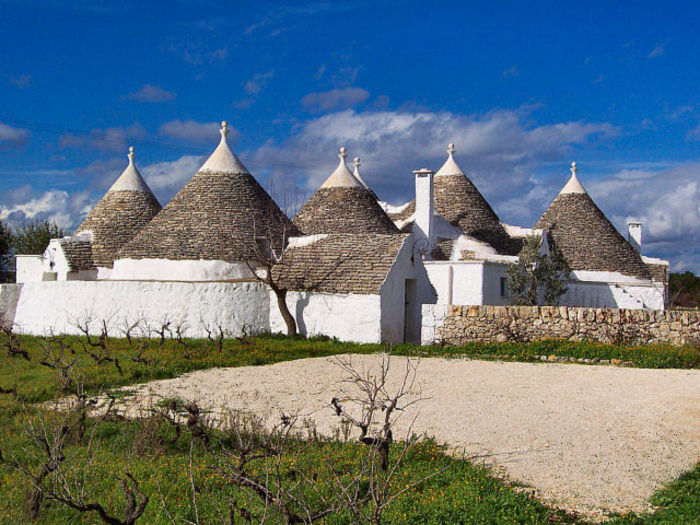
{"x":455,"y":325}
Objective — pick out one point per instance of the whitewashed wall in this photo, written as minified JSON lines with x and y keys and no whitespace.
{"x":349,"y":317}
{"x":46,"y":306}
{"x":28,"y":268}
{"x":167,"y":270}
{"x":408,"y":265}
{"x":606,"y":295}
{"x":465,"y":285}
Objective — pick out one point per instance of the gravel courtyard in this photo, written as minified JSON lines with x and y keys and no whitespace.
{"x":586,"y":438}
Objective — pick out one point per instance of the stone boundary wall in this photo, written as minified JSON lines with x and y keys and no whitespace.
{"x":455,"y":325}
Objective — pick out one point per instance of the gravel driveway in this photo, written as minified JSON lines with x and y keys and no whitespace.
{"x":586,"y":438}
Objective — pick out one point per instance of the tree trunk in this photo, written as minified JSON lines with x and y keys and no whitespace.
{"x":284,"y":310}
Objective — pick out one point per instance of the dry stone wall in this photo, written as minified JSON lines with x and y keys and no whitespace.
{"x":455,"y":325}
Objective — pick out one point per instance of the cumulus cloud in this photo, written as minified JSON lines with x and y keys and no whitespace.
{"x":151,"y":93}
{"x":500,"y":150}
{"x":335,"y":99}
{"x":109,"y":139}
{"x":192,"y":131}
{"x":256,"y":84}
{"x":11,"y":137}
{"x":58,"y":206}
{"x":167,"y":178}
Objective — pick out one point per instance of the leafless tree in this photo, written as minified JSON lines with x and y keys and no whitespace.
{"x":59,"y":356}
{"x":59,"y":481}
{"x":269,"y":246}
{"x":96,"y":348}
{"x":13,"y":342}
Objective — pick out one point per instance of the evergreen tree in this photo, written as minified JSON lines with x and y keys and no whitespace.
{"x":5,"y":247}
{"x":537,"y":278}
{"x":32,"y":238}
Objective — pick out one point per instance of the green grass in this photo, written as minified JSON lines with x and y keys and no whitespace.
{"x":461,"y":494}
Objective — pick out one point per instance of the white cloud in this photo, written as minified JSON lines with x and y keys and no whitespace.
{"x":151,"y":93}
{"x":500,"y":150}
{"x":109,"y":139}
{"x":58,"y":206}
{"x":335,"y":99}
{"x":11,"y":137}
{"x":258,"y":82}
{"x":167,"y":178}
{"x":658,"y":51}
{"x":192,"y":131}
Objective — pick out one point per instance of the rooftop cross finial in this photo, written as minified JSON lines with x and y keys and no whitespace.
{"x":224,"y":129}
{"x":574,"y":169}
{"x":343,"y":154}
{"x":450,"y":149}
{"x":131,"y":155}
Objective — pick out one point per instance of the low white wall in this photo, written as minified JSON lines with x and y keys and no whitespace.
{"x":467,"y":283}
{"x":614,"y":295}
{"x":349,"y":317}
{"x":47,"y":306}
{"x":28,"y":268}
{"x":167,"y":270}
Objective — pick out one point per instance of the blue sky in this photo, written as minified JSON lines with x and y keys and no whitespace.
{"x":521,"y":88}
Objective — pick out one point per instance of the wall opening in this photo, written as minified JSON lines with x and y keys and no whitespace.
{"x":411,"y":316}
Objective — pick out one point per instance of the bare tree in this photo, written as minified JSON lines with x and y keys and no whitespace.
{"x":269,"y":253}
{"x":58,"y":481}
{"x":13,"y":342}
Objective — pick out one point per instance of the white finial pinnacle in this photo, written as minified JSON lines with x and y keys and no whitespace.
{"x":131,"y":155}
{"x":224,"y":128}
{"x":574,"y":169}
{"x":343,"y":153}
{"x":451,"y":149}
{"x":573,"y":186}
{"x":356,"y":162}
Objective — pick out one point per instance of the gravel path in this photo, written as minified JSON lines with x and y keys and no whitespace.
{"x":587,"y":438}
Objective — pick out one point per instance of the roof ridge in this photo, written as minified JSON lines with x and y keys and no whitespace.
{"x":222,"y":159}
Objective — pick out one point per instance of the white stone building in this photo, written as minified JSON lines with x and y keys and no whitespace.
{"x":356,"y":268}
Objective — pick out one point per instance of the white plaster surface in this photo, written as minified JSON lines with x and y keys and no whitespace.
{"x":424,"y":216}
{"x":223,"y":160}
{"x":450,"y":167}
{"x":131,"y":179}
{"x":349,"y":317}
{"x":573,"y":186}
{"x":614,"y":295}
{"x":397,"y":318}
{"x":28,"y":268}
{"x":342,"y":177}
{"x":169,"y":270}
{"x":47,"y":306}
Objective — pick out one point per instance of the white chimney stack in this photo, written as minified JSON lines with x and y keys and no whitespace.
{"x":634,"y":235}
{"x":424,"y":216}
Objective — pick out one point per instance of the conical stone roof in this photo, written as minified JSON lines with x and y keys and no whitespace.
{"x":585,"y":236}
{"x":460,"y":203}
{"x":217,"y":216}
{"x":343,"y":205}
{"x":124,"y":210}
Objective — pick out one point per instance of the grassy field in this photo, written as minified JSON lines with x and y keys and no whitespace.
{"x":168,"y":469}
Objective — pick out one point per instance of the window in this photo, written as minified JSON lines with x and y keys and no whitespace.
{"x":504,"y":287}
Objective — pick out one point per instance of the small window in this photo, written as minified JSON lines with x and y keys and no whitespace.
{"x":504,"y":287}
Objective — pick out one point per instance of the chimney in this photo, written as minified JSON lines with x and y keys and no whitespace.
{"x":634,"y":235}
{"x":423,"y":225}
